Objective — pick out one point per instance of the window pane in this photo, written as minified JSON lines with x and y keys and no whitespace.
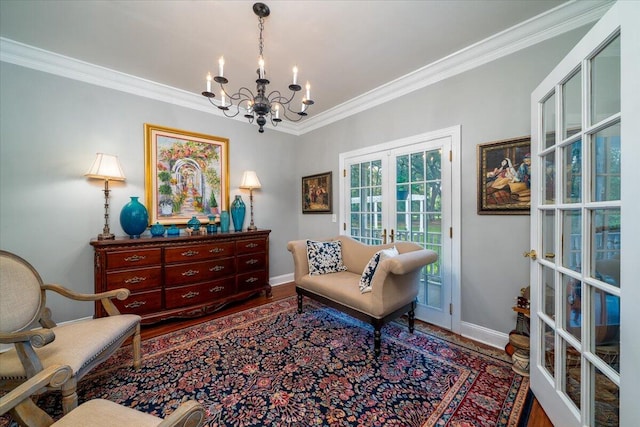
{"x":548,"y":295}
{"x":573,"y":172}
{"x":549,"y":179}
{"x":605,"y":243}
{"x":573,"y":377}
{"x":417,"y":167}
{"x":355,"y":175}
{"x":606,"y":164}
{"x":606,"y":400}
{"x":549,"y":121}
{"x":402,"y":169}
{"x":572,"y":105}
{"x":548,"y":349}
{"x":605,"y":82}
{"x":606,"y":318}
{"x":572,"y":294}
{"x":572,"y":239}
{"x":548,"y":234}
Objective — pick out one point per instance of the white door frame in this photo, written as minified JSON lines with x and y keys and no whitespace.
{"x":454,"y":269}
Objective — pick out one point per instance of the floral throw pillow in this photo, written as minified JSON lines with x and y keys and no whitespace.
{"x":371,"y":267}
{"x":324,"y":257}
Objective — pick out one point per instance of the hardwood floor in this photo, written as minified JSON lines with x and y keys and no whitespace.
{"x":537,"y":418}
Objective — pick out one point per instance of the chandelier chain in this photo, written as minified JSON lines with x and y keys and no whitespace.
{"x":261,"y":27}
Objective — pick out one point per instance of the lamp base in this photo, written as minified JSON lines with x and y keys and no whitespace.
{"x":106,"y":236}
{"x":252,"y":228}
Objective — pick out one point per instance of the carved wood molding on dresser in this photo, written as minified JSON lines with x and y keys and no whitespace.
{"x":182,"y":276}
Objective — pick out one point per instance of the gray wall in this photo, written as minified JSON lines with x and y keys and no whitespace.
{"x":490,"y":103}
{"x":51,"y":128}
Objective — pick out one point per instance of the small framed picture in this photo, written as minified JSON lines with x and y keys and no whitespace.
{"x":504,"y":177}
{"x":317,"y":194}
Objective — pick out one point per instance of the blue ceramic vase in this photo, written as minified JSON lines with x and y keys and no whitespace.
{"x":157,"y":230}
{"x":194,"y":223}
{"x":134,"y":218}
{"x":224,"y":222}
{"x":212,"y":227}
{"x":238,"y":210}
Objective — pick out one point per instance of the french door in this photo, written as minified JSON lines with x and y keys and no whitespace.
{"x":404,"y":191}
{"x":576,"y":232}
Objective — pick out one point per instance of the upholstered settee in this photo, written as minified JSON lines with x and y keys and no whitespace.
{"x":392,"y":290}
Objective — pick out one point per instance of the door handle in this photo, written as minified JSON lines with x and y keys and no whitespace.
{"x":384,"y":236}
{"x":531,"y":254}
{"x":393,"y":236}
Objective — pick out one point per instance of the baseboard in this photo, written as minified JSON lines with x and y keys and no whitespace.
{"x":281,"y":280}
{"x":484,"y":335}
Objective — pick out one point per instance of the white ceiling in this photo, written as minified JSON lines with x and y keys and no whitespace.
{"x":343,"y":48}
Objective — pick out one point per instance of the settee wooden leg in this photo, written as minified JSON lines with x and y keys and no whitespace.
{"x":299,"y":304}
{"x":377,"y":341}
{"x":136,"y":344}
{"x":69,"y":395}
{"x":412,"y":320}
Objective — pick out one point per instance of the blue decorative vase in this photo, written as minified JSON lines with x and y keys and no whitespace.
{"x":134,"y":218}
{"x":173,"y":231}
{"x":212,"y":227}
{"x":238,"y":209}
{"x":157,"y":230}
{"x":224,"y":221}
{"x":194,"y":223}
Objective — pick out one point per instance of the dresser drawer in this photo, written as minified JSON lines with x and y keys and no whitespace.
{"x":133,"y":258}
{"x":140,"y":302}
{"x":182,"y":296}
{"x":251,"y":246}
{"x":135,"y":279}
{"x":198,"y":252}
{"x":251,"y":281}
{"x":182,"y":274}
{"x":220,"y":288}
{"x":251,"y":262}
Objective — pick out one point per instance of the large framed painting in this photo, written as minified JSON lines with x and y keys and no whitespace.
{"x":186,"y":174}
{"x":504,"y":177}
{"x":317,"y":194}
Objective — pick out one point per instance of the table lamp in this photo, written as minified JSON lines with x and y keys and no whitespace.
{"x":107,"y":167}
{"x":250,"y":182}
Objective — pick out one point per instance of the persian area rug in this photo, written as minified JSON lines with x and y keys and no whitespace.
{"x":270,"y":366}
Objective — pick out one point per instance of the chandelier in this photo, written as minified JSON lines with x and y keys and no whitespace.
{"x":259,"y":106}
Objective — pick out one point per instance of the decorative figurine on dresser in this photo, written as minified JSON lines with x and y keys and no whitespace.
{"x":182,"y":276}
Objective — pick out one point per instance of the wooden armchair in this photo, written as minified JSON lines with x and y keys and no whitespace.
{"x":38,"y":342}
{"x":97,"y":412}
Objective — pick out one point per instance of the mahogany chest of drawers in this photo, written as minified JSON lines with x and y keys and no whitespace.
{"x":182,"y":276}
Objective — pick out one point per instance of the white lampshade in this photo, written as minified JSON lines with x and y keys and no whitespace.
{"x":250,"y":180}
{"x":107,"y":167}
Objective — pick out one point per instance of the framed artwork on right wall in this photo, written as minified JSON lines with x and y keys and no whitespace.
{"x":504,"y":177}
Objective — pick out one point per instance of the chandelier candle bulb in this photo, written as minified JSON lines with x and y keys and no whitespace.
{"x":308,"y":90}
{"x":277,"y":111}
{"x":209,"y":78}
{"x":295,"y":75}
{"x":221,"y":66}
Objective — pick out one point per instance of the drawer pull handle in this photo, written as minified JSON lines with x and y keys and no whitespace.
{"x":251,"y":245}
{"x":135,"y":304}
{"x":190,"y":295}
{"x":190,"y":253}
{"x":190,"y":273}
{"x":135,"y":258}
{"x":135,"y":280}
{"x":216,"y":250}
{"x":252,"y":261}
{"x":216,"y":289}
{"x":217,"y":268}
{"x":251,"y":280}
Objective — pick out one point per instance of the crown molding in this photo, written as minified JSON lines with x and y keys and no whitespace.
{"x":564,"y":18}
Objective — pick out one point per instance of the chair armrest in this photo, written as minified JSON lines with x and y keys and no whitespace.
{"x":103,"y":297}
{"x":408,"y":261}
{"x":298,"y":249}
{"x":53,"y":376}
{"x":36,"y":337}
{"x":188,"y":414}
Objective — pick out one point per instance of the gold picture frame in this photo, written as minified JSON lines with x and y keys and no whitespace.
{"x":317,"y":193}
{"x":186,"y":174}
{"x":504,"y":177}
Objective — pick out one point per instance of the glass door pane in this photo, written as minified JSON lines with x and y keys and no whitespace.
{"x":365,"y":219}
